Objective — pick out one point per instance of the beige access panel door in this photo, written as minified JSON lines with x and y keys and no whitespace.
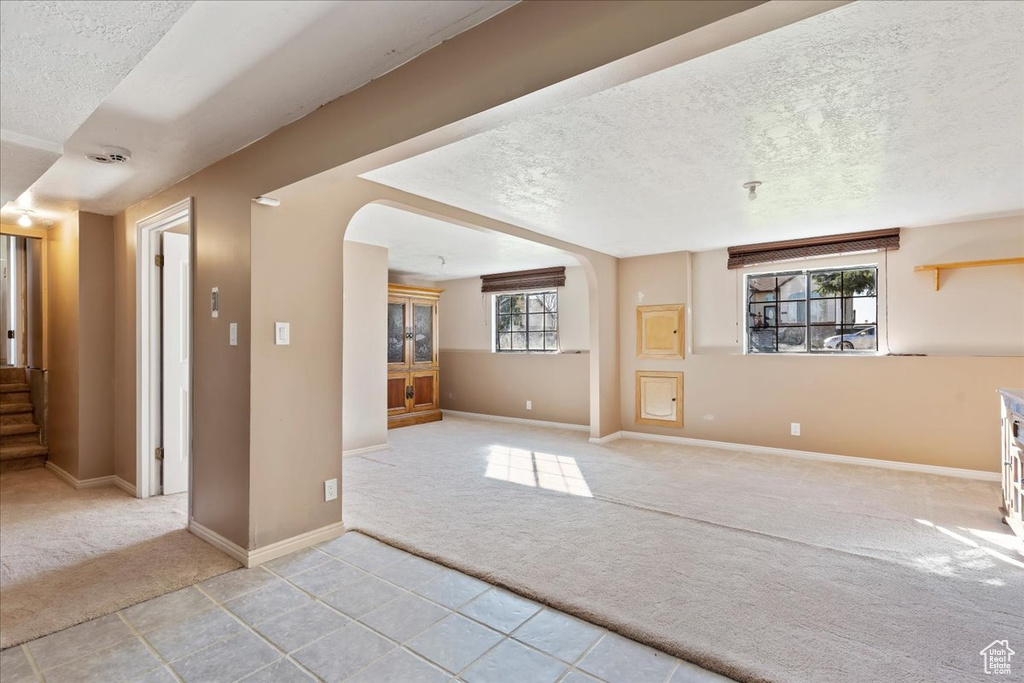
{"x":659,"y":331}
{"x":659,"y":398}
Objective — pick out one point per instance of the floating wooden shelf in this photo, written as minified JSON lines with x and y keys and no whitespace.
{"x":939,"y":267}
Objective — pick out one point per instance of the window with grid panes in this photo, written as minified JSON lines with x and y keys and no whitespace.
{"x":813,"y":311}
{"x":526,"y":322}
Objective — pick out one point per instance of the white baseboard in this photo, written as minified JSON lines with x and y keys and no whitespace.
{"x":365,"y":449}
{"x":125,"y":485}
{"x":79,"y":483}
{"x":827,"y":457}
{"x":518,"y":420}
{"x":219,"y":542}
{"x":253,"y":558}
{"x":607,"y":438}
{"x":290,"y":545}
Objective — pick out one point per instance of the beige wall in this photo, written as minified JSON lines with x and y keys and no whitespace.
{"x":473,"y":379}
{"x":501,"y":383}
{"x":934,"y":410}
{"x":95,"y":346}
{"x":244,"y":490}
{"x":646,"y":281}
{"x":81,"y":345}
{"x":125,"y":460}
{"x":62,"y":340}
{"x":961,"y":319}
{"x":467,"y":325}
{"x":364,"y":356}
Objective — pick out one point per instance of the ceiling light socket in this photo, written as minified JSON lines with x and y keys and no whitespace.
{"x":25,"y":219}
{"x":751,"y":189}
{"x":264,"y":200}
{"x":111,"y":155}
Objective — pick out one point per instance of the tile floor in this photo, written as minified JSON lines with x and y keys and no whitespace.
{"x":352,"y":609}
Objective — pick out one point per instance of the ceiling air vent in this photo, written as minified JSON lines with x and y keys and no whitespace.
{"x":111,"y":155}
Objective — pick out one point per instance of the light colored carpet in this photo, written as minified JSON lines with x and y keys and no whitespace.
{"x":67,"y":556}
{"x":758,"y":567}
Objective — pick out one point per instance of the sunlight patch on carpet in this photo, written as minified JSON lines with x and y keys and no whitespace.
{"x":539,"y":470}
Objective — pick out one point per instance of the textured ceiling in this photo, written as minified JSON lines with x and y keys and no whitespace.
{"x":22,"y":161}
{"x":58,"y":61}
{"x":876,"y":114}
{"x":229,"y":73}
{"x":416,"y":244}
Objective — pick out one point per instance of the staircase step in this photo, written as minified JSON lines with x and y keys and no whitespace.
{"x":16,"y":418}
{"x":19,"y":440}
{"x":23,"y":451}
{"x":26,"y":463}
{"x":13,"y":408}
{"x":19,"y":428}
{"x":8,"y":375}
{"x":15,"y":397}
{"x":9,"y":388}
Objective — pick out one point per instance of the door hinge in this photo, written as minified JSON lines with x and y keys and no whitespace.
{"x":159,"y":260}
{"x":159,"y":453}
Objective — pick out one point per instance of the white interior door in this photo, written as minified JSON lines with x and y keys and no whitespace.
{"x":175,"y":356}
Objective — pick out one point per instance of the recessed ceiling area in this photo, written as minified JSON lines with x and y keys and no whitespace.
{"x":873,"y":115}
{"x":417,"y":244}
{"x":58,"y":61}
{"x":225,"y":75}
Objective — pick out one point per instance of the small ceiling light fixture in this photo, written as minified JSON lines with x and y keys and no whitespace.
{"x":25,"y":221}
{"x":111,"y":155}
{"x":751,"y":189}
{"x":264,"y":200}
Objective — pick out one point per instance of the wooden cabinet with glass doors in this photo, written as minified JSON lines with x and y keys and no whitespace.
{"x":413,"y":368}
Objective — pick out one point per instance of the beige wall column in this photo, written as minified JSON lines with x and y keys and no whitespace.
{"x":365,"y":356}
{"x":95,"y":346}
{"x":80,"y":345}
{"x":297,"y":390}
{"x":62,"y":344}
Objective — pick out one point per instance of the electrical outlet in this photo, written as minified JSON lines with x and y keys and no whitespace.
{"x":529,"y":405}
{"x":794,"y":429}
{"x":330,"y":490}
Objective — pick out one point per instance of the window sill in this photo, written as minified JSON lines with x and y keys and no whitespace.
{"x":539,"y":353}
{"x":836,"y":354}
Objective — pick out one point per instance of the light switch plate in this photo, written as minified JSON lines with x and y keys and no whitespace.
{"x":282,"y":334}
{"x":233,"y":334}
{"x":330,"y":490}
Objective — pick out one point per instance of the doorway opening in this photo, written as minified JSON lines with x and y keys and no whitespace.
{"x":21,"y":294}
{"x":164,"y":351}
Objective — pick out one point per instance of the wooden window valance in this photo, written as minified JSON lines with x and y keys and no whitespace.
{"x":539,"y":278}
{"x":788,"y":250}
